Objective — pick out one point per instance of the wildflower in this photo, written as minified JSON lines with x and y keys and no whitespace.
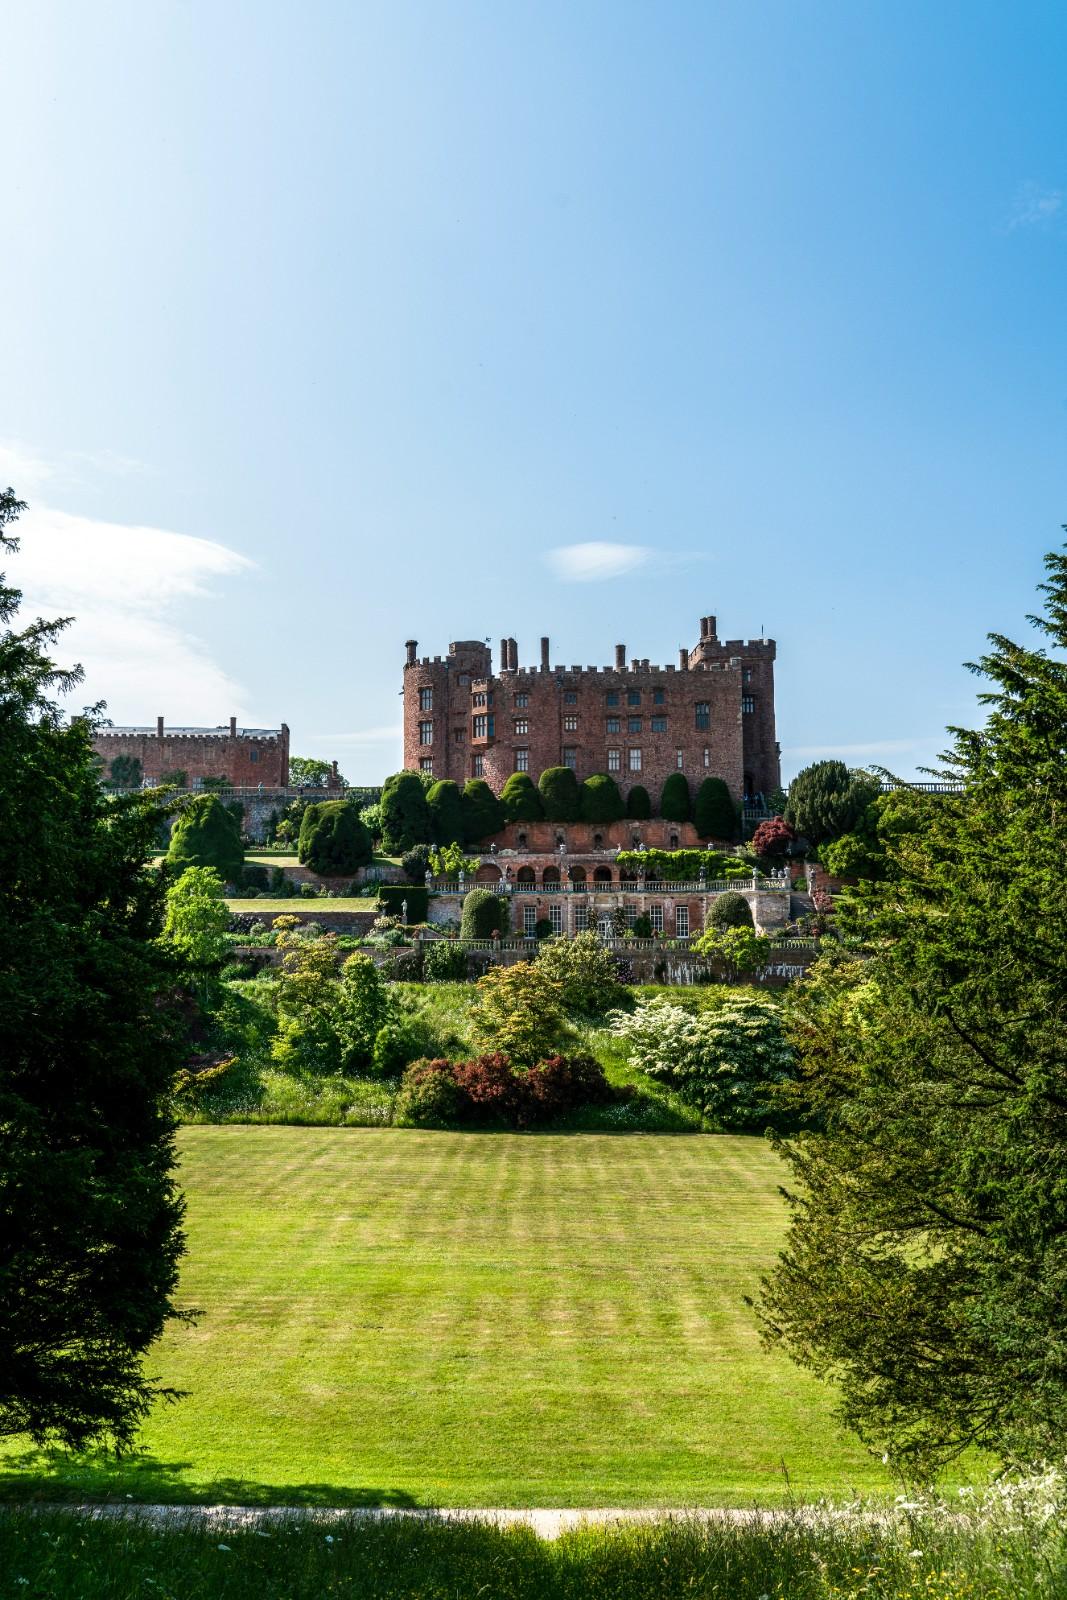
{"x":915,"y":1554}
{"x":329,"y":1538}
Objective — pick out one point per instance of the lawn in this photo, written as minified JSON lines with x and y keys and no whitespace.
{"x":409,"y":1318}
{"x":308,"y":905}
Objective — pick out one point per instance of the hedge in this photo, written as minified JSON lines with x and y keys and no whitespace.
{"x":521,"y":799}
{"x":392,"y":896}
{"x":559,"y":793}
{"x":445,"y":805}
{"x":482,"y":812}
{"x":639,"y":803}
{"x":714,"y":812}
{"x":600,"y":799}
{"x":405,"y":817}
{"x":333,"y":839}
{"x":674,"y":802}
{"x":484,"y":914}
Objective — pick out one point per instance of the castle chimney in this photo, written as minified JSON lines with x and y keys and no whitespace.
{"x":683,"y":658}
{"x":411,"y":646}
{"x":159,"y":727}
{"x":233,"y":727}
{"x":544,"y":653}
{"x":503,"y":655}
{"x":513,"y":655}
{"x":620,"y":658}
{"x":707,"y":627}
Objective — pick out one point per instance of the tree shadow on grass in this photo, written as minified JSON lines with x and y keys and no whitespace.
{"x":39,"y":1475}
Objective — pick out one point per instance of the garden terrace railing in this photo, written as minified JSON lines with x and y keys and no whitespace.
{"x":630,"y":886}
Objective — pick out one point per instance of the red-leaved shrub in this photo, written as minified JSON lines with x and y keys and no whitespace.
{"x":489,"y":1091}
{"x":773,"y":837}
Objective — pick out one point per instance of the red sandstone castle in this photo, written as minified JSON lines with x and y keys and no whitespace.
{"x":711,"y":716}
{"x":244,"y":757}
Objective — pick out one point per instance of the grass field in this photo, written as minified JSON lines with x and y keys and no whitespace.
{"x":408,"y":1318}
{"x":306,"y":905}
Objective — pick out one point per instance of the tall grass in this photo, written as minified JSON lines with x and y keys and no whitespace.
{"x":996,"y":1547}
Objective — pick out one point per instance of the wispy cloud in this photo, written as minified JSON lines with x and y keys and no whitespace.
{"x":362,"y":736}
{"x":123,"y":585}
{"x":592,"y":562}
{"x":1034,"y":206}
{"x":922,"y":746}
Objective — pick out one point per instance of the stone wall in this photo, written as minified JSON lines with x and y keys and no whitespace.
{"x":243,"y":756}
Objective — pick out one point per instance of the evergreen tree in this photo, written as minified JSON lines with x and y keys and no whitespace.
{"x":639,"y":803}
{"x":445,"y":805}
{"x":403,"y":813}
{"x":333,"y":840}
{"x":730,"y":910}
{"x":521,"y":799}
{"x":206,"y":835}
{"x":600,"y":799}
{"x":926,"y":1264}
{"x":674,"y":804}
{"x":714,"y":813}
{"x":827,"y":799}
{"x":559,"y":794}
{"x":482,"y":812}
{"x":90,"y":1045}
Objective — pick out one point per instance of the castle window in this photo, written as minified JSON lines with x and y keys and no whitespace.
{"x":478,"y":698}
{"x":570,"y":724}
{"x":570,"y":756}
{"x":658,"y":697}
{"x":703,"y":713}
{"x":581,"y":918}
{"x":746,"y":676}
{"x":521,"y":841}
{"x":707,"y":756}
{"x":555,"y":916}
{"x":635,"y":760}
{"x":426,"y":699}
{"x":633,"y":724}
{"x":459,"y":735}
{"x":522,"y":761}
{"x":614,"y":725}
{"x":614,"y":760}
{"x":479,"y":726}
{"x":633,"y":697}
{"x":426,"y":764}
{"x":464,"y":680}
{"x":611,"y":698}
{"x":679,"y":759}
{"x":748,"y":702}
{"x":253,"y":754}
{"x":522,"y":701}
{"x":522,"y":724}
{"x":529,"y":921}
{"x":659,"y":724}
{"x":478,"y":767}
{"x":681,"y":921}
{"x":426,"y":733}
{"x":570,"y":698}
{"x":655,"y":916}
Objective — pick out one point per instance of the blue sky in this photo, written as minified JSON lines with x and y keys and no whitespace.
{"x":326,"y":325}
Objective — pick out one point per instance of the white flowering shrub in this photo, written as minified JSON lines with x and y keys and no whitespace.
{"x":728,"y":1061}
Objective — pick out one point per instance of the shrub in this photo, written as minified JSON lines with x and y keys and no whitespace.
{"x":254,"y":876}
{"x":428,"y":1097}
{"x":333,"y":839}
{"x":542,"y":928}
{"x":482,"y":812}
{"x":639,"y":803}
{"x":198,"y":919}
{"x":827,"y":799}
{"x":642,"y":927}
{"x":714,"y":812}
{"x":519,"y":1010}
{"x":521,"y":799}
{"x":392,"y":896}
{"x":560,"y":795}
{"x":362,"y":1011}
{"x":563,"y":1083}
{"x":396,"y":1043}
{"x":416,"y":863}
{"x":600,"y":799}
{"x":773,"y":839}
{"x":737,"y":952}
{"x":403,"y":813}
{"x":444,"y":961}
{"x":584,"y":971}
{"x":675,"y":804}
{"x":730,"y":910}
{"x":490,"y":1090}
{"x":445,"y":805}
{"x":205,"y":835}
{"x":484,"y":914}
{"x":682,"y":866}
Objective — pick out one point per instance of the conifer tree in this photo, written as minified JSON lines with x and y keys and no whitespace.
{"x":403,"y":813}
{"x":444,"y":802}
{"x":559,"y":794}
{"x":639,"y":803}
{"x":674,"y":803}
{"x":482,"y":812}
{"x":714,"y":814}
{"x":207,"y":835}
{"x":521,"y":799}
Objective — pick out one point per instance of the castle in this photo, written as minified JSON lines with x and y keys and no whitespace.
{"x":245,"y":757}
{"x":711,"y":716}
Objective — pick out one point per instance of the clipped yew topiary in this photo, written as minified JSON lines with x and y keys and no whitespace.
{"x":601,"y":800}
{"x":445,"y":805}
{"x":333,"y":839}
{"x":714,"y":813}
{"x":730,"y":910}
{"x":206,"y":835}
{"x":639,"y":803}
{"x":392,"y":897}
{"x":482,"y":812}
{"x":484,"y":914}
{"x":404,"y":815}
{"x":560,"y":795}
{"x":674,"y":802}
{"x":521,"y":799}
